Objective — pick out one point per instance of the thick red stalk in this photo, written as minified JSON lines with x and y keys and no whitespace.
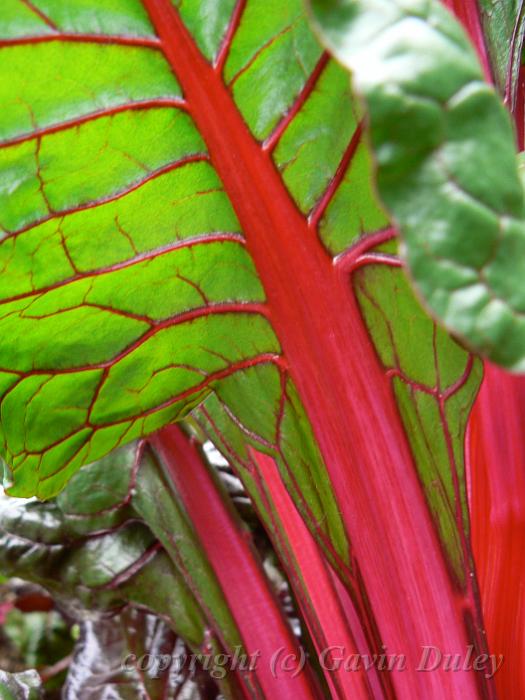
{"x":346,"y":395}
{"x":259,"y":618}
{"x":496,"y":461}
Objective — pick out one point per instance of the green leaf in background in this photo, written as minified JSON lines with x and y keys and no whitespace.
{"x":446,"y":163}
{"x":39,"y":640}
{"x":92,"y":551}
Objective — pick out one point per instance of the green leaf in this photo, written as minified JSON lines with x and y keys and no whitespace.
{"x":446,"y":163}
{"x":434,"y":398}
{"x":90,"y":548}
{"x":89,"y":335}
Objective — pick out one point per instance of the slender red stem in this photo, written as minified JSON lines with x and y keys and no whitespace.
{"x":261,"y":623}
{"x":273,"y":139}
{"x":519,"y":110}
{"x":318,"y":598}
{"x":346,"y":261}
{"x":320,"y":208}
{"x":515,"y":51}
{"x":31,"y":6}
{"x":50,"y":672}
{"x":287,"y":538}
{"x":226,"y":43}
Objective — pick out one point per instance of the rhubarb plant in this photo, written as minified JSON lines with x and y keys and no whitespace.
{"x":206,"y":220}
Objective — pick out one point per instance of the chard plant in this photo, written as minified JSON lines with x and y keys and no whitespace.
{"x":262,"y":319}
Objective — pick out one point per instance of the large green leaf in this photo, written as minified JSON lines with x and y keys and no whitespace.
{"x":149,"y":357}
{"x":446,"y":163}
{"x":90,"y":338}
{"x":89,"y":548}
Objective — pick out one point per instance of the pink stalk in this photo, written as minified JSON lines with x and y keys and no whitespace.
{"x":315,"y":590}
{"x":496,"y":464}
{"x":496,"y":472}
{"x":261,"y":623}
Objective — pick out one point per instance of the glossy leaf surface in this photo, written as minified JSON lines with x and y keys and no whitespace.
{"x":59,"y":545}
{"x":109,"y":652}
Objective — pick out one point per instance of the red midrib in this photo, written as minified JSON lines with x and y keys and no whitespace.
{"x":346,"y":395}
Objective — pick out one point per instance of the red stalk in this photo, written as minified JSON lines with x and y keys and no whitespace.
{"x":346,"y":395}
{"x":306,"y":569}
{"x":496,"y":472}
{"x":261,"y":623}
{"x":496,"y":463}
{"x":312,"y":583}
